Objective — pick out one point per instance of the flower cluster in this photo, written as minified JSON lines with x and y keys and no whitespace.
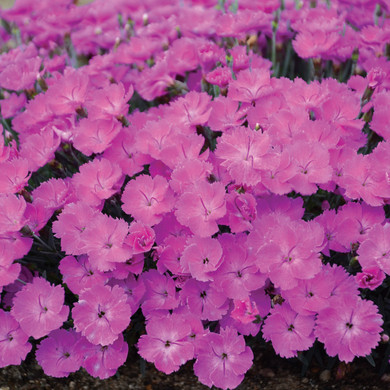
{"x":212,"y":170}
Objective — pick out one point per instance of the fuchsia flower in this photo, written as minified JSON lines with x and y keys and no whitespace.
{"x":14,"y":345}
{"x":101,"y":314}
{"x":349,"y":327}
{"x":39,"y":308}
{"x":222,"y":359}
{"x":165,"y":343}
{"x":60,"y":353}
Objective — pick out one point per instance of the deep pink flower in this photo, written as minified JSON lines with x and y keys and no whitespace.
{"x":60,"y":353}
{"x":14,"y":345}
{"x":39,"y":308}
{"x":141,"y":237}
{"x":165,"y":343}
{"x":54,"y":194}
{"x":101,"y":314}
{"x":222,"y":359}
{"x":349,"y":327}
{"x":371,"y":278}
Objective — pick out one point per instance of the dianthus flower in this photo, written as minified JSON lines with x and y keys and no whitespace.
{"x":166,"y":343}
{"x":101,"y":314}
{"x":39,"y":308}
{"x":60,"y":353}
{"x":289,"y":331}
{"x":349,"y":327}
{"x":222,"y":359}
{"x":14,"y":345}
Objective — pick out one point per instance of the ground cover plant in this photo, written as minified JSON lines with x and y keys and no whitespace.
{"x":193,"y":178}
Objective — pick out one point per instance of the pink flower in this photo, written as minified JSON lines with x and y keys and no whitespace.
{"x":375,"y":249}
{"x":14,"y":175}
{"x":245,"y":310}
{"x":147,"y":199}
{"x":109,"y":102}
{"x":289,"y":331}
{"x":60,"y":353}
{"x":104,"y":241}
{"x":12,"y":210}
{"x":14,"y":345}
{"x":203,"y":300}
{"x":165,"y":343}
{"x":80,"y":274}
{"x":225,"y":114}
{"x":69,"y":92}
{"x":349,"y":327}
{"x":371,"y":278}
{"x":39,"y":308}
{"x":160,"y":292}
{"x":12,"y":105}
{"x":141,"y":237}
{"x":102,"y":361}
{"x":244,"y":154}
{"x":222,"y":359}
{"x":201,"y":207}
{"x":201,"y":256}
{"x":101,"y":314}
{"x":97,"y":181}
{"x":251,"y":84}
{"x":220,"y":77}
{"x":95,"y":135}
{"x":71,"y":224}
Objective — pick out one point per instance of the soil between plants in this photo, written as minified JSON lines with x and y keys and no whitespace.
{"x":269,"y":372}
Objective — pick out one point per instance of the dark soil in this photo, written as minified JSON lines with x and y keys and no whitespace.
{"x":269,"y":372}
